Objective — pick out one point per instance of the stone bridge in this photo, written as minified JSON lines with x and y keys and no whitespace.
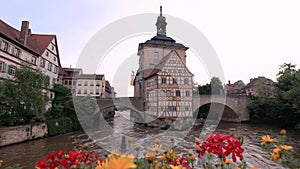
{"x":229,"y":108}
{"x":232,"y":108}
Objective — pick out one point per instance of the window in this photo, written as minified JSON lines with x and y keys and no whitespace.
{"x":3,"y":45}
{"x":85,"y":83}
{"x":74,"y":82}
{"x":79,"y":83}
{"x":70,"y":82}
{"x":66,"y":82}
{"x":1,"y":66}
{"x":54,"y":58}
{"x":168,"y":92}
{"x":97,"y":92}
{"x":49,"y":66}
{"x":174,"y":81}
{"x":79,"y":91}
{"x":92,"y":83}
{"x":55,"y":69}
{"x":9,"y":48}
{"x":47,"y":53}
{"x":172,"y":108}
{"x":163,"y":80}
{"x":42,"y":62}
{"x":177,"y":92}
{"x":186,"y":81}
{"x":91,"y":91}
{"x":186,"y":108}
{"x":52,"y":47}
{"x":85,"y":91}
{"x":162,"y":93}
{"x":187,"y":93}
{"x":162,"y":108}
{"x":98,"y":83}
{"x":16,"y":52}
{"x":155,"y":56}
{"x":33,"y":60}
{"x":12,"y":70}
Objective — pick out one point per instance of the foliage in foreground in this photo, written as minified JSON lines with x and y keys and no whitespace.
{"x":227,"y":148}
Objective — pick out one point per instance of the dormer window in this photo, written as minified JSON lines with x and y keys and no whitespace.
{"x":47,"y":53}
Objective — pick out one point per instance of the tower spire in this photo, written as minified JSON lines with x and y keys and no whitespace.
{"x":161,"y":23}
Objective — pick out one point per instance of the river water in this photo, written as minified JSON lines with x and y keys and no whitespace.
{"x":28,"y":153}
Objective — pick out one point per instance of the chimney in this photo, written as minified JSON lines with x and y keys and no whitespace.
{"x":24,"y":32}
{"x":229,"y":82}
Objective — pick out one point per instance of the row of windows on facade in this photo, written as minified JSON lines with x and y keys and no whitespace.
{"x":174,"y":108}
{"x":85,"y":83}
{"x":92,"y":92}
{"x":173,"y":81}
{"x":168,"y":93}
{"x":6,"y":47}
{"x":51,"y":67}
{"x":10,"y":69}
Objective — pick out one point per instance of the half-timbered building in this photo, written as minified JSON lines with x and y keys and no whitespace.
{"x":163,"y":81}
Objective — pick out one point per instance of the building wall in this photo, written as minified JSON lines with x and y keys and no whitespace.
{"x":8,"y":59}
{"x":147,"y":59}
{"x":169,"y":94}
{"x":90,"y":87}
{"x":11,"y":135}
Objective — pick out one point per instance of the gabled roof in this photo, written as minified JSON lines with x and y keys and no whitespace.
{"x":161,"y":64}
{"x":35,"y":42}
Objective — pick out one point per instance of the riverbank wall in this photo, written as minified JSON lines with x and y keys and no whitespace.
{"x":17,"y":134}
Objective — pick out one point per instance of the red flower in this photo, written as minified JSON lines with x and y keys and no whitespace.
{"x":234,"y":147}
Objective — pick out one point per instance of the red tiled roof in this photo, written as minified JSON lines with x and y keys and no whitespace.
{"x":35,"y":42}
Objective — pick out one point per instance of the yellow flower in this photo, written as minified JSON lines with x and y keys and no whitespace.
{"x":121,"y":162}
{"x":157,"y":148}
{"x":283,"y":132}
{"x":267,"y":139}
{"x":237,"y":167}
{"x":177,"y":167}
{"x":285,"y":147}
{"x":227,"y":161}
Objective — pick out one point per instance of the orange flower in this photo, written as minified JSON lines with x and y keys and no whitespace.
{"x":283,"y":132}
{"x":227,"y":161}
{"x":191,"y":157}
{"x":150,"y":156}
{"x":121,"y":162}
{"x":267,"y":139}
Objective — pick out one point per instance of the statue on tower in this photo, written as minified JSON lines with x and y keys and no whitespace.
{"x":161,"y":24}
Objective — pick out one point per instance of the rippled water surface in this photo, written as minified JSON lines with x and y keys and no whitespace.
{"x":28,"y":153}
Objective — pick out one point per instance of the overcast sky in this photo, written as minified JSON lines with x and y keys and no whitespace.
{"x":251,"y":38}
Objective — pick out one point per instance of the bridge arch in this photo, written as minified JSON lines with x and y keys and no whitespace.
{"x":218,"y":111}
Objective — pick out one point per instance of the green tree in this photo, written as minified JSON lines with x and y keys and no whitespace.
{"x":285,"y":108}
{"x":216,"y":86}
{"x":23,"y":98}
{"x":62,"y":104}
